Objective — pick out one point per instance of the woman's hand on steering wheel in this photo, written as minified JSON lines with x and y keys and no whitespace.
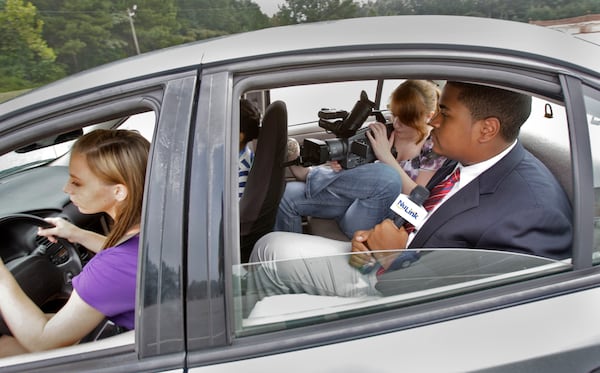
{"x":61,"y":229}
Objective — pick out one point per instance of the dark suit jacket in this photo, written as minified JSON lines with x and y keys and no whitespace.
{"x":516,"y":205}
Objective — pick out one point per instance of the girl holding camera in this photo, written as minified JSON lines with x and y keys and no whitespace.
{"x":360,"y":197}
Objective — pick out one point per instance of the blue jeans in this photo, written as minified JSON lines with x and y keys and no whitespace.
{"x":358,"y":198}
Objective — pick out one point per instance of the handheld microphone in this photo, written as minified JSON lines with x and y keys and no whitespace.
{"x":410,"y":208}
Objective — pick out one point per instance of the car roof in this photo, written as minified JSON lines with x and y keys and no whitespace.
{"x":422,"y":32}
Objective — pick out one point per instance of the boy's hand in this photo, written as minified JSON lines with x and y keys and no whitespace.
{"x":359,"y":246}
{"x":384,"y":236}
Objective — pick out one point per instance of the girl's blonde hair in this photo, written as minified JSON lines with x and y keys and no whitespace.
{"x":414,"y":100}
{"x":118,"y":157}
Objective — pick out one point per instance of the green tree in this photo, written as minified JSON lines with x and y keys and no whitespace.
{"x":80,"y":31}
{"x":201,"y":19}
{"x":300,"y":11}
{"x":515,"y":10}
{"x":26,"y":60}
{"x":556,"y":9}
{"x":155,"y":23}
{"x":386,"y":8}
{"x":87,"y":33}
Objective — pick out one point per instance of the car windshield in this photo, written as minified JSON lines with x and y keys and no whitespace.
{"x":17,"y":161}
{"x":54,"y":149}
{"x":425,"y":275}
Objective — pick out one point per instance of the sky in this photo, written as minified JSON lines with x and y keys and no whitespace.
{"x":269,"y":7}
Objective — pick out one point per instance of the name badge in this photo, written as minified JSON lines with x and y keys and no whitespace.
{"x":409,"y":211}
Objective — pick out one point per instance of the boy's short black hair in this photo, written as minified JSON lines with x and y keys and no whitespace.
{"x":511,"y":108}
{"x":249,"y":119}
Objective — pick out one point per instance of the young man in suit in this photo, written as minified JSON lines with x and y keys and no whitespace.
{"x":501,"y":198}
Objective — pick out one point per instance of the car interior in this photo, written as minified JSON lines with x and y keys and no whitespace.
{"x":550,"y":146}
{"x":545,"y":134}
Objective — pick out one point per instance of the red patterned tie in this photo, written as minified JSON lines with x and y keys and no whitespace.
{"x":437,"y":194}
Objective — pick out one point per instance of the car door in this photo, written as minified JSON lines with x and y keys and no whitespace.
{"x":160,"y":107}
{"x":514,"y":319}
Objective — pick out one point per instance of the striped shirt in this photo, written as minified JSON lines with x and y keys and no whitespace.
{"x":246,"y":159}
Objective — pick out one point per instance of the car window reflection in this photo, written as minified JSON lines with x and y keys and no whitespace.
{"x":426,"y":275}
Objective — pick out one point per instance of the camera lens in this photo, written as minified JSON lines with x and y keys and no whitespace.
{"x":337,"y":149}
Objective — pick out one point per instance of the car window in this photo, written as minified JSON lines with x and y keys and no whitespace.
{"x":425,"y":275}
{"x":144,"y":123}
{"x":592,"y":104}
{"x":304,"y":101}
{"x":50,"y":150}
{"x":47,"y":199}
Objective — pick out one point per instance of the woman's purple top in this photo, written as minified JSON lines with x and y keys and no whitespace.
{"x":107,"y":282}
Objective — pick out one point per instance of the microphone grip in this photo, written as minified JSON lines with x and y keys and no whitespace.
{"x":418,"y":195}
{"x":399,"y":221}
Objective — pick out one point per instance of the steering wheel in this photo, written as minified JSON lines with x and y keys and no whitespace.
{"x":44,"y":272}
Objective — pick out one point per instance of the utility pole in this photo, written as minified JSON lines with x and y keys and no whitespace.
{"x":131,"y":13}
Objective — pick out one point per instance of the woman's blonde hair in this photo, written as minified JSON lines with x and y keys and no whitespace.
{"x":118,"y":157}
{"x":414,"y":100}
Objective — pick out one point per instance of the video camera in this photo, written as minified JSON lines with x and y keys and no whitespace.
{"x":352,"y":147}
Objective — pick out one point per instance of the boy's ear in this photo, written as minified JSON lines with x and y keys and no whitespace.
{"x":242,"y":137}
{"x":489,"y":129}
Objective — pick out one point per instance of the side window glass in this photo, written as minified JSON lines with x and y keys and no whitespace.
{"x":48,"y":158}
{"x":304,"y":102}
{"x":592,"y":105}
{"x":289,"y":293}
{"x":144,"y":123}
{"x":275,"y":292}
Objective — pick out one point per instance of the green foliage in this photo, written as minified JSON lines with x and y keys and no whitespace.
{"x":515,"y":10}
{"x":43,"y":40}
{"x":209,"y":18}
{"x":82,"y":32}
{"x":155,"y":23}
{"x":300,"y":11}
{"x":25,"y":58}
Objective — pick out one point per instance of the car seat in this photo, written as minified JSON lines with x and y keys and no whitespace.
{"x":266,"y":179}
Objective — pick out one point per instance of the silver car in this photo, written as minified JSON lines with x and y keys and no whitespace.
{"x":486,"y":311}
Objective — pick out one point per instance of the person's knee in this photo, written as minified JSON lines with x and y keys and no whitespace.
{"x":275,"y":246}
{"x":390,"y":180}
{"x":293,"y":192}
{"x":281,"y":246}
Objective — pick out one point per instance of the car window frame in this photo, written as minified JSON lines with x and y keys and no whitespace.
{"x":582,"y":166}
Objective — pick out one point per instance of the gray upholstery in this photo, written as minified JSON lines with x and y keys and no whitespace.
{"x":555,"y":157}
